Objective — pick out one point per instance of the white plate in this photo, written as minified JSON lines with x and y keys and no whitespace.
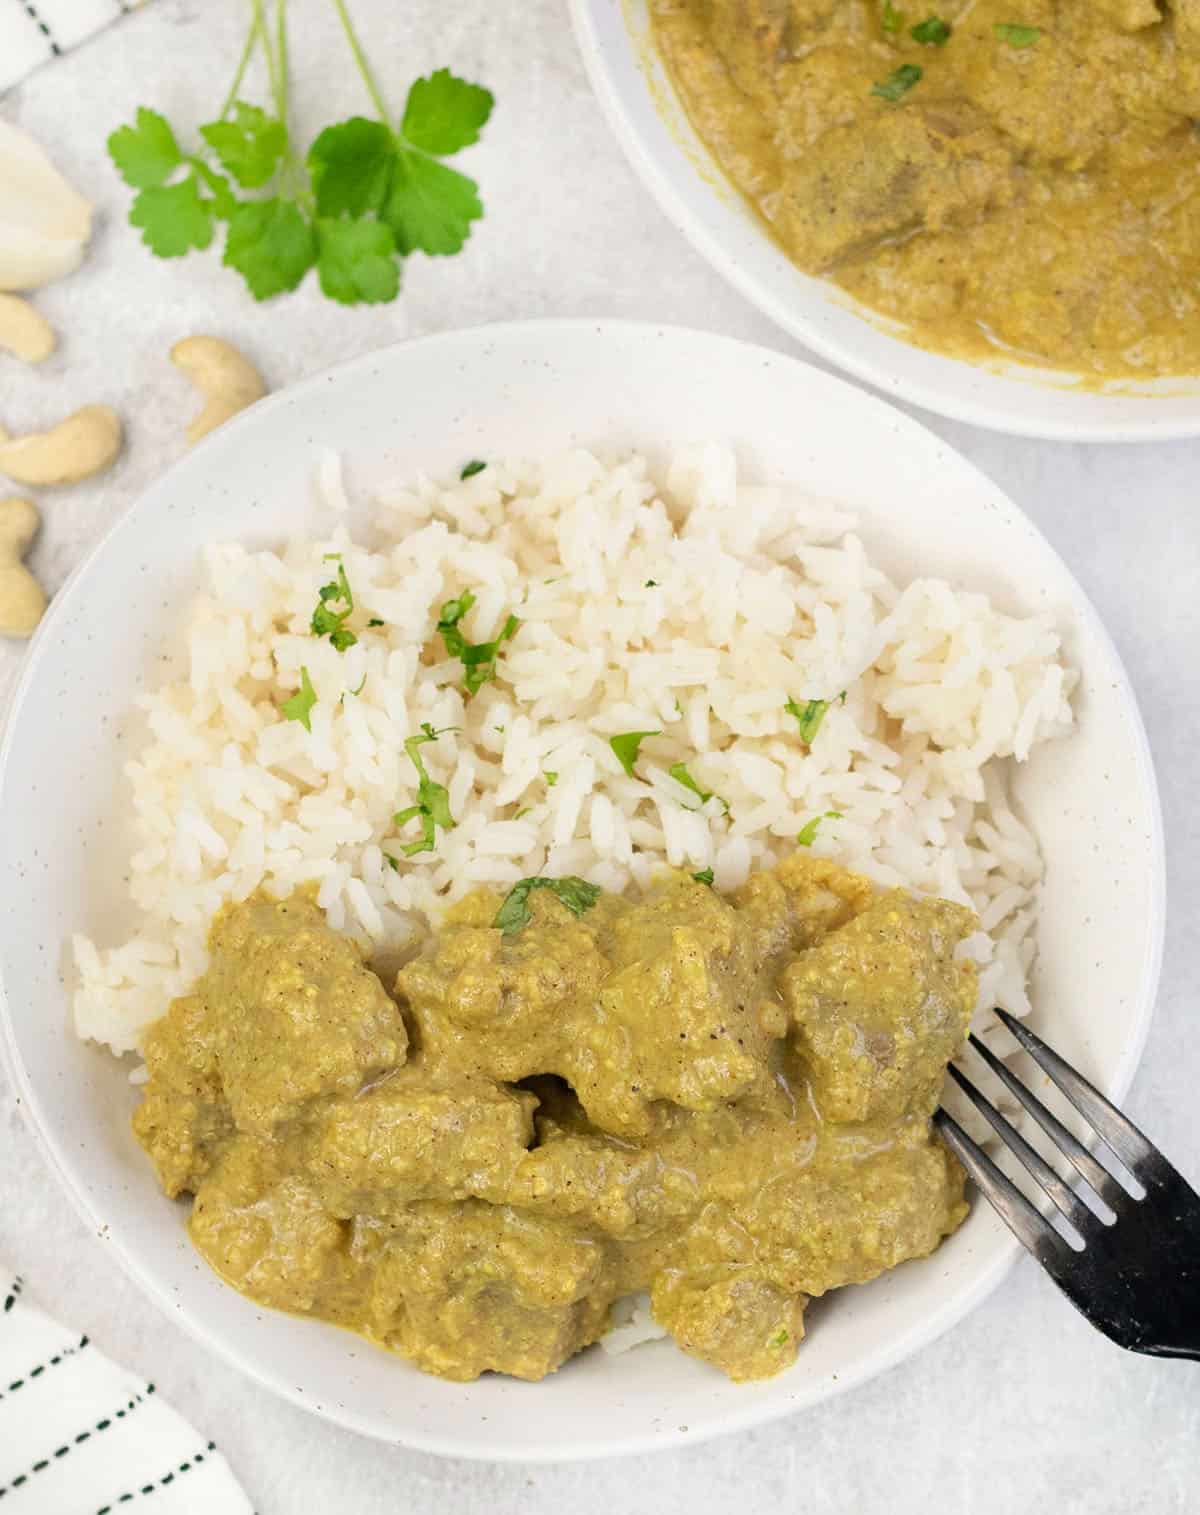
{"x":430,"y":405}
{"x":652,"y":127}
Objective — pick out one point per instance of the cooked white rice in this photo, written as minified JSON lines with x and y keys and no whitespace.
{"x":693,"y":606}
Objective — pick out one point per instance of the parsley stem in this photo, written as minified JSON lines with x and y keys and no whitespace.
{"x":263,"y":29}
{"x":360,"y":59}
{"x":243,"y":63}
{"x":281,"y":48}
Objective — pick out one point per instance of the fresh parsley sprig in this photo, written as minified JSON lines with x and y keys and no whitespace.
{"x":326,"y":621}
{"x":575,"y":893}
{"x":478,"y":658}
{"x":366,"y":195}
{"x":433,"y":799}
{"x":679,"y":772}
{"x":807,"y":834}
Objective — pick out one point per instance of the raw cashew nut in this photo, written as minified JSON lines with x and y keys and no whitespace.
{"x":84,"y":444}
{"x":22,"y":602}
{"x":24,"y":331}
{"x":227,"y":380}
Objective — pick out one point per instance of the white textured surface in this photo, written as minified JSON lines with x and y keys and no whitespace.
{"x":1022,"y":1407}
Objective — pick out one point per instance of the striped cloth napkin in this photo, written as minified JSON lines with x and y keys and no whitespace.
{"x":34,"y":31}
{"x":81,"y":1436}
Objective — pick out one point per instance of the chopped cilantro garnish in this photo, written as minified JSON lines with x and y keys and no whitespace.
{"x":679,"y":773}
{"x":891,"y":19}
{"x":328,"y":622}
{"x":808,"y":832}
{"x":299,"y":707}
{"x":933,"y":32}
{"x":705,"y":876}
{"x":433,"y":800}
{"x":478,"y":658}
{"x":627,"y":745}
{"x":780,"y":1339}
{"x":809,"y":715}
{"x":551,"y":777}
{"x":575,"y":893}
{"x":375,"y":621}
{"x":651,"y":584}
{"x":469,"y":470}
{"x":1016,"y":35}
{"x":898,"y":82}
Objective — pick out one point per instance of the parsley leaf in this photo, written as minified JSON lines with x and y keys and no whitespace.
{"x":430,"y":207}
{"x":932,"y":32}
{"x":375,"y":621}
{"x":808,"y":832}
{"x":679,"y":773}
{"x":365,"y":195}
{"x":444,"y":114}
{"x":356,"y":262}
{"x":891,"y":19}
{"x":331,"y":623}
{"x":146,"y":154}
{"x":469,"y":470}
{"x":433,"y":799}
{"x":299,"y":707}
{"x":550,"y":776}
{"x":810,"y":715}
{"x":898,"y":82}
{"x":705,"y":876}
{"x":478,"y":658}
{"x":627,"y":745}
{"x":271,"y":245}
{"x":1016,"y":35}
{"x":351,"y":167}
{"x":250,"y":147}
{"x":575,"y":893}
{"x":173,"y":218}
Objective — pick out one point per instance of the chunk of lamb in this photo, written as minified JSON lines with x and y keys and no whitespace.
{"x":881,"y":1006}
{"x":894,"y":172}
{"x":465,"y":1289}
{"x":298,"y":1014}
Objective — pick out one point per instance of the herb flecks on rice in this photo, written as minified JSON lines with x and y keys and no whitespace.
{"x":762,"y":596}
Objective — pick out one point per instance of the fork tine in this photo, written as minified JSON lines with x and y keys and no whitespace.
{"x":1069,"y":1204}
{"x":1031,"y":1229}
{"x":1101,"y":1180}
{"x":1121,"y":1135}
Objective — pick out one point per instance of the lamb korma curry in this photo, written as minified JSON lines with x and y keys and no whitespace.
{"x":571,"y":1096}
{"x":1016,"y":176}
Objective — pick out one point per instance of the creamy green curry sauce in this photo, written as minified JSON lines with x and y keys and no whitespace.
{"x":724,"y":1101}
{"x":1019,"y":175}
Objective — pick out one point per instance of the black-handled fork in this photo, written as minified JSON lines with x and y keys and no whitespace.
{"x":1127,"y":1256}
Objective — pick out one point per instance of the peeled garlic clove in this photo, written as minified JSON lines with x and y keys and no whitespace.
{"x":44,"y":223}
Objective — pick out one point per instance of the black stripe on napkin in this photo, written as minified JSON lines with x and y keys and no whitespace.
{"x":31,"y":12}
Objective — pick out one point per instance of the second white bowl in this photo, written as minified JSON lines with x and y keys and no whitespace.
{"x":640,"y":101}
